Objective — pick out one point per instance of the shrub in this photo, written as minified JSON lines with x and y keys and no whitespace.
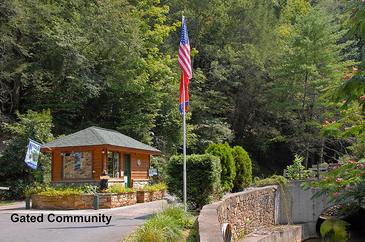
{"x":224,"y":152}
{"x":59,"y":190}
{"x":297,"y":171}
{"x":154,"y":188}
{"x":168,"y":225}
{"x":63,"y":192}
{"x":182,"y":218}
{"x":273,"y":180}
{"x":160,"y":164}
{"x":118,"y":188}
{"x":334,"y":230}
{"x":243,"y":168}
{"x":203,"y":178}
{"x":159,"y":228}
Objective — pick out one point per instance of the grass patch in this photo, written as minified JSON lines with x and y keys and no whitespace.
{"x":5,"y":203}
{"x":172,"y":224}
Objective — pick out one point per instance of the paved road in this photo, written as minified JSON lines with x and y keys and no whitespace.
{"x":123,"y":221}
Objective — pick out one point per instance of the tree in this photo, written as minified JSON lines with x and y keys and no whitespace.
{"x":243,"y":168}
{"x":33,"y":125}
{"x":224,"y":153}
{"x":312,"y":63}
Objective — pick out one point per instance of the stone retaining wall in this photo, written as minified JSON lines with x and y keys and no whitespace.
{"x":84,"y":201}
{"x":244,"y":211}
{"x":252,"y":210}
{"x":63,"y":202}
{"x":117,"y":200}
{"x":144,"y":196}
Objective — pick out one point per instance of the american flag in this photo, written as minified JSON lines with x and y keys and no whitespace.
{"x":185,"y":65}
{"x":184,"y":51}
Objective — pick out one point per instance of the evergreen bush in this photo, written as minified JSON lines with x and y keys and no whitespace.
{"x":224,"y":152}
{"x":203,"y":178}
{"x":243,"y":165}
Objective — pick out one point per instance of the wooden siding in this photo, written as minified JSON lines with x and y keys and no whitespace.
{"x":99,"y":160}
{"x":139,"y":172}
{"x":57,"y":163}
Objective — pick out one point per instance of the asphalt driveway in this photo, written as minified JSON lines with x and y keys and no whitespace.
{"x":123,"y":221}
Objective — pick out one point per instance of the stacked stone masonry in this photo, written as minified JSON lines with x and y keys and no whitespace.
{"x":245,"y":212}
{"x":144,"y":196}
{"x":83,"y":201}
{"x":248,"y":211}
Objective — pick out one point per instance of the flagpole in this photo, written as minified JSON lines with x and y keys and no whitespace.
{"x":184,"y":126}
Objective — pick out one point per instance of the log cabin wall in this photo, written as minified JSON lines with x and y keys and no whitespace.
{"x":99,"y":159}
{"x":57,"y":162}
{"x":139,"y":172}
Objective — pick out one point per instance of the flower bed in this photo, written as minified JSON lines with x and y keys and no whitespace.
{"x":83,"y":201}
{"x":80,"y":198}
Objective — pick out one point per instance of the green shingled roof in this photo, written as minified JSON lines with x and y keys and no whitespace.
{"x":99,"y":136}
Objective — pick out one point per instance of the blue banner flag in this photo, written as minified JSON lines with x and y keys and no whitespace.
{"x":31,"y":158}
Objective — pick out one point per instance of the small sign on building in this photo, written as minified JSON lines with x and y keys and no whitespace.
{"x":152,"y":172}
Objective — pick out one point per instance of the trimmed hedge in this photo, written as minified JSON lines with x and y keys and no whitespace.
{"x":224,"y":152}
{"x":203,"y":178}
{"x":243,"y":169}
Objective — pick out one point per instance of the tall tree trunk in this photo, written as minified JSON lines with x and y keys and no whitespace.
{"x":320,"y":157}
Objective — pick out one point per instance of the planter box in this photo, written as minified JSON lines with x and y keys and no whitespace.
{"x":113,"y":200}
{"x":145,"y":196}
{"x":84,"y":201}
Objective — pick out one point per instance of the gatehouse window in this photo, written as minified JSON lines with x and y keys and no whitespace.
{"x":113,"y":164}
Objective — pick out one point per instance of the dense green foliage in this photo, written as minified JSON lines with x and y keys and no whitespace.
{"x":167,"y":225}
{"x":297,"y":171}
{"x":243,"y":166}
{"x":345,"y":184}
{"x":154,"y":187}
{"x":203,"y":178}
{"x":118,"y":188}
{"x":272,"y":180}
{"x":159,"y":163}
{"x":276,"y":77}
{"x":59,"y":190}
{"x":32,"y":125}
{"x":224,"y":152}
{"x":334,"y":230}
